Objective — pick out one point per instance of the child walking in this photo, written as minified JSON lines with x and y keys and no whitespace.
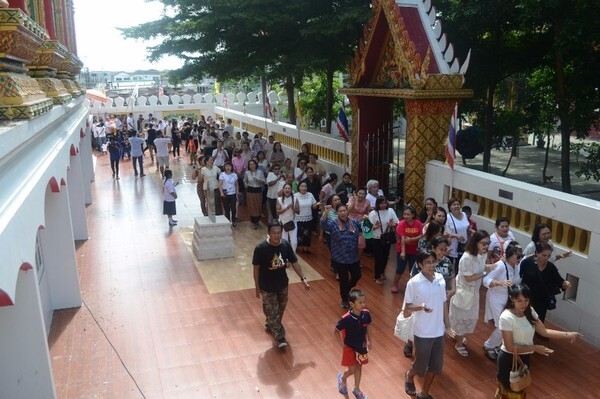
{"x":169,"y":197}
{"x":353,"y":332}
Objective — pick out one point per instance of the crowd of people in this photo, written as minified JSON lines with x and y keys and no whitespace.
{"x":447,"y":257}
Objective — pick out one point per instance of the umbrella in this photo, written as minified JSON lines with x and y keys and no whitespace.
{"x":468,"y":142}
{"x":96,"y":95}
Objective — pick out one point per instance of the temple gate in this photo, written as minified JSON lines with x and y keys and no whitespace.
{"x":403,"y":54}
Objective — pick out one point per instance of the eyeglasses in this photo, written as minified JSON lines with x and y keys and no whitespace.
{"x":485,"y":243}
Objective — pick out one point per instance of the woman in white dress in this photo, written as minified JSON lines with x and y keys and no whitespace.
{"x":304,"y":203}
{"x":210,"y":174}
{"x":471,"y":271}
{"x":287,"y":213}
{"x":505,"y":274}
{"x":457,"y":226}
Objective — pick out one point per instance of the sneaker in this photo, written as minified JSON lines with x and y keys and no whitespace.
{"x":173,"y":223}
{"x":379,"y":281}
{"x":342,"y":387}
{"x":345,"y":304}
{"x":281,"y":343}
{"x":359,"y":394}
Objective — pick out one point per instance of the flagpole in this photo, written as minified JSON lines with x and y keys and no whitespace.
{"x":298,"y":120}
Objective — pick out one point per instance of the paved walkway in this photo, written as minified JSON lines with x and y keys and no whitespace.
{"x":529,"y":164}
{"x":151,"y":328}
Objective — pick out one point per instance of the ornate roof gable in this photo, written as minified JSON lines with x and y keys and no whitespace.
{"x":402,"y":45}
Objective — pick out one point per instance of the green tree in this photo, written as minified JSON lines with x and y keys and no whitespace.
{"x":501,"y":46}
{"x":573,"y":61}
{"x":278,"y":41}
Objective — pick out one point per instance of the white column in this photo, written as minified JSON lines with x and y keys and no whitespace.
{"x":25,"y":361}
{"x":87,"y":165}
{"x":76,"y":199}
{"x":58,"y":251}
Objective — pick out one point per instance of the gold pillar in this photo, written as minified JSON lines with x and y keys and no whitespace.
{"x":20,"y":95}
{"x":428,"y":113}
{"x":426,"y":133}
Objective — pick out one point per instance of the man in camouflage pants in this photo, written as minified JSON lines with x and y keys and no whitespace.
{"x":270,"y":260}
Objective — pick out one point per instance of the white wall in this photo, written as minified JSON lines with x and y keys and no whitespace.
{"x":581,"y":314}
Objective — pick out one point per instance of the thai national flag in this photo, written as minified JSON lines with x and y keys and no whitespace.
{"x":342,"y":125}
{"x":268,"y":107}
{"x":451,"y":145}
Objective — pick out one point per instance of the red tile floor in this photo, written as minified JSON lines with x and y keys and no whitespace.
{"x":149,"y":328}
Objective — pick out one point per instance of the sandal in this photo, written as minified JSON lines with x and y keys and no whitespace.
{"x":408,"y":350}
{"x":342,"y":387}
{"x":409,"y":387}
{"x":464,"y":341}
{"x":462,"y":351}
{"x":394,"y":289}
{"x":359,"y":394}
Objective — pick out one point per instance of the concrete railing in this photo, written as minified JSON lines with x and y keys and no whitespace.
{"x":574,"y":222}
{"x":243,"y":109}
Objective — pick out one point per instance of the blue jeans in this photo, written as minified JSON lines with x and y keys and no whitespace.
{"x":139,"y":160}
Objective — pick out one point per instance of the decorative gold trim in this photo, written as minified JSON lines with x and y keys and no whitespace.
{"x":408,"y":93}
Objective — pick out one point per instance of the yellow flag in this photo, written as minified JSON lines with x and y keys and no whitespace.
{"x":217,"y":87}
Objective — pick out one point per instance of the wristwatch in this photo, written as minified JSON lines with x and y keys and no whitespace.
{"x":484,"y":273}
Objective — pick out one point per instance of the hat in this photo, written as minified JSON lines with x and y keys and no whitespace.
{"x":367,"y":228}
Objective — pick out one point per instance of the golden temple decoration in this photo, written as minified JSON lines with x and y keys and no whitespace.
{"x":21,"y":97}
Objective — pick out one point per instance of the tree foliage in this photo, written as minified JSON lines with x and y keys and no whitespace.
{"x":234,"y":39}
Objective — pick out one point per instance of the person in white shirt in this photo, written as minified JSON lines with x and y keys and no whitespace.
{"x":425,"y":297}
{"x":131,"y":125}
{"x":500,"y":238}
{"x":273,"y":179}
{"x":220,"y":155}
{"x":169,"y":197}
{"x":162,"y":151}
{"x":228,"y":128}
{"x":268,"y":147}
{"x":228,"y":187}
{"x":503,"y":276}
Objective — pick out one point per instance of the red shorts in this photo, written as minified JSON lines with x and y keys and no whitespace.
{"x":351,"y":358}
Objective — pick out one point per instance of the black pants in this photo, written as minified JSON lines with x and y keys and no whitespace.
{"x":229,"y":206}
{"x":272,"y":208}
{"x":349,"y":274}
{"x":114,"y":165}
{"x":382,"y":254}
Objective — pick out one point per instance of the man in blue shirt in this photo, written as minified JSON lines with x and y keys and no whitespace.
{"x":137,"y":153}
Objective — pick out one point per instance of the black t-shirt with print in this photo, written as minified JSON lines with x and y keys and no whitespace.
{"x":272,"y":261}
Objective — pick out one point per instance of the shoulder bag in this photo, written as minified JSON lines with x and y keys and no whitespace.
{"x":389,"y":236}
{"x":464,"y":296}
{"x":520,"y":376}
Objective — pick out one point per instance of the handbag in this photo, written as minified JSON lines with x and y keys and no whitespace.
{"x":460,"y":248}
{"x":289,"y":226}
{"x":520,"y":376}
{"x":404,"y":327}
{"x":389,"y":236}
{"x":464,"y":297}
